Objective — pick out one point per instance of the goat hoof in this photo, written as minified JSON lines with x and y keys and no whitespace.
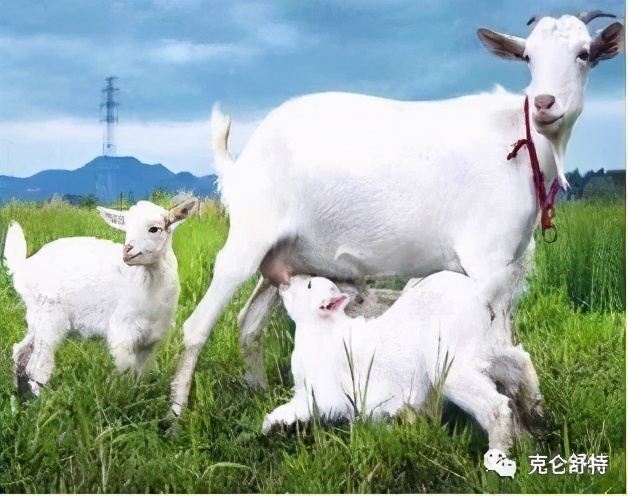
{"x":176,"y":410}
{"x":266,"y":426}
{"x":278,"y":429}
{"x":21,"y":383}
{"x":35,"y":387}
{"x":168,"y":427}
{"x":24,"y":391}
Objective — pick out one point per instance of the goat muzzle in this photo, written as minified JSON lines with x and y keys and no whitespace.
{"x":544,"y":102}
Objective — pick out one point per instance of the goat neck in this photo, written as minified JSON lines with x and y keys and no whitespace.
{"x":328,"y":330}
{"x":539,"y":149}
{"x":164,"y":269}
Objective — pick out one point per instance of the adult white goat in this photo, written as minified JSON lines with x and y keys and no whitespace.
{"x":345,"y":185}
{"x":438,"y":334}
{"x":97,"y":287}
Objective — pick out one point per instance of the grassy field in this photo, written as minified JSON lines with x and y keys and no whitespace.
{"x":94,"y":430}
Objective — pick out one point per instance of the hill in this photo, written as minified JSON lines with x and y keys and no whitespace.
{"x":105,"y":177}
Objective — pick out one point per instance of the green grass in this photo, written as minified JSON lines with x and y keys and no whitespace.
{"x":94,"y":430}
{"x":589,"y":261}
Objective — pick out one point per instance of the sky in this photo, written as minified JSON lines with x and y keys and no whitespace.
{"x":175,"y":58}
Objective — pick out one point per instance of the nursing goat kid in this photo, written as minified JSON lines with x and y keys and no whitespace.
{"x":438,"y":334}
{"x":345,"y":186}
{"x":126,"y":293}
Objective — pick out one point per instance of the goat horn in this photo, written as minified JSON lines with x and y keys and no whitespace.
{"x":535,"y":18}
{"x":587,"y":17}
{"x":532,"y":19}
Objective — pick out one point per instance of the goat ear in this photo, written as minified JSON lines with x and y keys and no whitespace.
{"x":115,"y":218}
{"x":609,"y":43}
{"x":181,"y":212}
{"x":502,"y":45}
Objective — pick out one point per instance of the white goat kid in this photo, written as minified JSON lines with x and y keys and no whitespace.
{"x":97,"y":287}
{"x":345,"y":185}
{"x":439,"y":330}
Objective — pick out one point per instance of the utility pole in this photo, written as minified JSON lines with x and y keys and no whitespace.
{"x":109,"y":116}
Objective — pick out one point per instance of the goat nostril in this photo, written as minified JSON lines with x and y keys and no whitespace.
{"x":127,"y":248}
{"x":544,"y":102}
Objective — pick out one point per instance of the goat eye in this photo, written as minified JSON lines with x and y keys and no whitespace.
{"x":309,"y":284}
{"x":584,"y":55}
{"x":154,"y":229}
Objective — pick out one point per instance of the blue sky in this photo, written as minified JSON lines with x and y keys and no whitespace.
{"x":175,"y":58}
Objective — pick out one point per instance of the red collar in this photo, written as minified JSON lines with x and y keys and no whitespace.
{"x":546,"y":200}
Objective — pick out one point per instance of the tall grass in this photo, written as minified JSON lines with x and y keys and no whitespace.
{"x":94,"y":430}
{"x":589,"y":257}
{"x":44,"y":224}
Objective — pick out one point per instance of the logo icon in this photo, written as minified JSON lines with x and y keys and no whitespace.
{"x":497,"y":461}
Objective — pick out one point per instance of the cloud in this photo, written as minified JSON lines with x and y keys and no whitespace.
{"x":69,"y":143}
{"x":181,"y":146}
{"x":599,"y":136}
{"x":183,"y":52}
{"x":28,"y":147}
{"x":20,"y":47}
{"x":175,"y":58}
{"x":170,"y":5}
{"x":604,"y":106}
{"x":279,"y":35}
{"x":266,"y":26}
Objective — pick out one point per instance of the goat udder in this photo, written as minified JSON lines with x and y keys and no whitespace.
{"x":276,"y":266}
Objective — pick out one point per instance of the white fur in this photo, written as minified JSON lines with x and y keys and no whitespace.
{"x":440,"y":328}
{"x":128,"y":294}
{"x":368,"y":186}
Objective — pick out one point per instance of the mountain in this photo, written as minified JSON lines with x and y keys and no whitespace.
{"x":105,"y":177}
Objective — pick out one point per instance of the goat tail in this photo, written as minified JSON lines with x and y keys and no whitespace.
{"x":220,"y":126}
{"x":14,"y":247}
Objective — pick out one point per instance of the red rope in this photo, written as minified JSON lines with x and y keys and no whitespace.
{"x":546,"y":201}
